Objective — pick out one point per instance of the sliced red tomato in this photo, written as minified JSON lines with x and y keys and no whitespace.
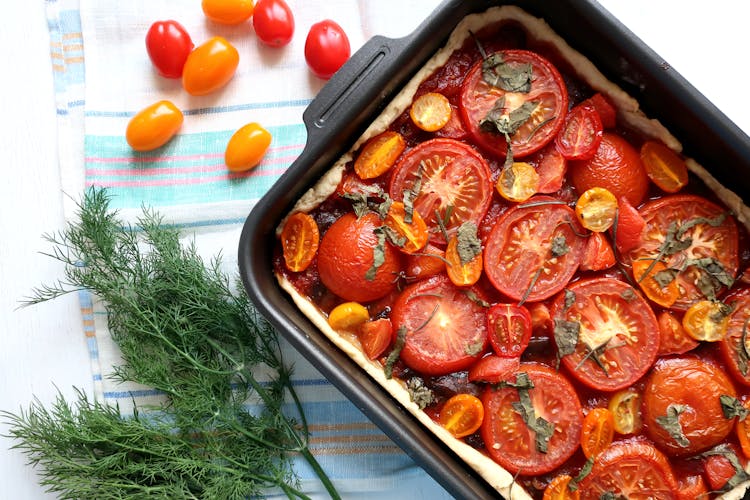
{"x":673,"y":339}
{"x":547,"y":93}
{"x":630,"y":469}
{"x":510,"y":439}
{"x":551,"y":167}
{"x":534,"y":249}
{"x":509,"y":328}
{"x":695,"y":238}
{"x":375,"y":337}
{"x":452,"y":184}
{"x":446,"y":331}
{"x":617,"y":333}
{"x":493,"y":369}
{"x":684,"y":392}
{"x":735,"y":348}
{"x":581,"y":133}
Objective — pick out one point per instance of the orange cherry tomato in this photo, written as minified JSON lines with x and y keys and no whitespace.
{"x":415,"y":232}
{"x":598,"y":431}
{"x":379,"y":154}
{"x":596,"y":209}
{"x":210,"y":66}
{"x":664,"y":167}
{"x":462,"y":273}
{"x":348,"y":316}
{"x":706,"y":321}
{"x":558,"y":489}
{"x":375,"y":337}
{"x":153,"y":126}
{"x":299,"y":241}
{"x":462,"y":415}
{"x":228,"y":11}
{"x":625,"y":406}
{"x":646,"y":273}
{"x":246,"y":147}
{"x":518,"y":182}
{"x":431,"y":111}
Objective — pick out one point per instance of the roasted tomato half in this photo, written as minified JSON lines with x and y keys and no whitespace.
{"x":736,"y":345}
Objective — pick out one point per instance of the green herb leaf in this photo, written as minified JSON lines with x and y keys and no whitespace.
{"x":411,"y":194}
{"x":359,"y":203}
{"x":740,"y":475}
{"x":585,"y":471}
{"x":628,"y":294}
{"x":743,"y":355}
{"x":393,"y":356}
{"x":570,"y":299}
{"x":378,"y":255}
{"x":508,"y":77}
{"x":474,"y":298}
{"x":559,"y":246}
{"x":566,"y":336}
{"x":671,"y":423}
{"x":469,"y":245}
{"x":420,"y":393}
{"x":665,"y":277}
{"x":542,"y":429}
{"x":732,"y":407}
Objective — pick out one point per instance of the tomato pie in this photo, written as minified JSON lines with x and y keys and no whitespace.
{"x":530,"y":266}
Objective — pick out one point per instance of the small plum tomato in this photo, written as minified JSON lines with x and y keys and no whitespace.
{"x":654,"y":280}
{"x":664,"y":167}
{"x":348,"y":316}
{"x":153,"y":126}
{"x":558,"y":489}
{"x":246,"y":147}
{"x":598,"y":431}
{"x":168,"y":45}
{"x":627,"y":230}
{"x":210,"y":66}
{"x":375,"y":336}
{"x":509,"y":327}
{"x":616,"y":166}
{"x":326,"y":48}
{"x":412,"y":229}
{"x":379,"y":154}
{"x":273,"y":22}
{"x":596,"y":209}
{"x":493,"y":369}
{"x":299,"y":241}
{"x":598,"y":254}
{"x":228,"y":11}
{"x":462,"y":415}
{"x":463,"y":264}
{"x":604,"y":108}
{"x":625,"y":406}
{"x":518,"y":182}
{"x":673,"y":339}
{"x":346,"y":259}
{"x":580,"y":134}
{"x":431,"y":111}
{"x":707,"y":320}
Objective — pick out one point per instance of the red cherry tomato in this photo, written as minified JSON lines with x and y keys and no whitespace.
{"x":719,"y":470}
{"x":547,"y":91}
{"x":445,"y":330}
{"x":534,"y":249}
{"x":493,"y":369}
{"x":627,"y":230}
{"x":509,"y":329}
{"x":454,"y":183}
{"x":617,"y":332}
{"x":629,"y":469}
{"x":694,"y":386}
{"x":326,"y":48}
{"x":598,"y":254}
{"x":507,"y":436}
{"x":697,"y":223}
{"x":738,"y":330}
{"x":615,"y":166}
{"x":168,"y":45}
{"x":581,"y":133}
{"x":210,"y":66}
{"x":346,"y":254}
{"x":273,"y":22}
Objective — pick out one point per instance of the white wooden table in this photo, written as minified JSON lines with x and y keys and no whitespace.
{"x":42,"y":349}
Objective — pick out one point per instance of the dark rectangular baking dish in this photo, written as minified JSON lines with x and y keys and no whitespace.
{"x":365,"y":85}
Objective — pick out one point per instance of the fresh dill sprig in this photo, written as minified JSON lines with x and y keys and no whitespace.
{"x":183,"y":330}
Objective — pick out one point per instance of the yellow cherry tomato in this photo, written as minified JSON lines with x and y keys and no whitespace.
{"x":706,"y":320}
{"x":625,"y":406}
{"x":462,"y":415}
{"x":379,"y":154}
{"x":518,"y":183}
{"x":431,"y":111}
{"x":596,"y":209}
{"x":153,"y":126}
{"x":210,"y":66}
{"x":300,"y":239}
{"x":348,"y":316}
{"x":246,"y":147}
{"x":228,"y":11}
{"x":664,"y":167}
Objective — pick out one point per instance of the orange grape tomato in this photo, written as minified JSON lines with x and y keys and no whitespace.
{"x":431,"y":111}
{"x":414,"y":232}
{"x":246,"y":147}
{"x":228,"y":11}
{"x":625,"y":406}
{"x":153,"y":126}
{"x":462,"y":273}
{"x":596,"y":209}
{"x":743,"y":431}
{"x":210,"y":66}
{"x":379,"y":154}
{"x":518,"y":182}
{"x":706,"y":320}
{"x":462,"y":415}
{"x":299,"y":241}
{"x":653,"y":279}
{"x":664,"y":167}
{"x":348,"y":316}
{"x":558,"y":489}
{"x":598,"y":431}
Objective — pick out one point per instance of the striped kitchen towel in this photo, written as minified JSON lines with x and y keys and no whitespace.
{"x":103,"y":77}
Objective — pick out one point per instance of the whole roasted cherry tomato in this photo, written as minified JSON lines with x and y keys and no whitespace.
{"x":168,"y":45}
{"x":210,"y":66}
{"x":153,"y":126}
{"x":273,"y":22}
{"x":346,"y":257}
{"x":446,"y":331}
{"x":326,"y":48}
{"x":509,"y":328}
{"x":228,"y":11}
{"x":246,"y":147}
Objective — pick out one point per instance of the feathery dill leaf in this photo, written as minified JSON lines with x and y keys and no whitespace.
{"x":182,"y":329}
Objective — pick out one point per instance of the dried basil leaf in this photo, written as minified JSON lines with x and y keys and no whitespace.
{"x":391,"y":235}
{"x":359,"y":203}
{"x":671,"y":423}
{"x":628,"y":294}
{"x":420,"y":393}
{"x":559,"y":246}
{"x":743,"y":355}
{"x":542,"y":429}
{"x":508,"y":77}
{"x":474,"y":348}
{"x":411,"y":194}
{"x":585,"y":471}
{"x":378,"y":255}
{"x":507,"y":124}
{"x":732,"y":407}
{"x":740,"y":475}
{"x":665,"y":277}
{"x":393,"y":356}
{"x":566,"y":336}
{"x":474,"y":298}
{"x":469,"y":245}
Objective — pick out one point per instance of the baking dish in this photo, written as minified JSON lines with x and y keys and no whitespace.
{"x":356,"y":94}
